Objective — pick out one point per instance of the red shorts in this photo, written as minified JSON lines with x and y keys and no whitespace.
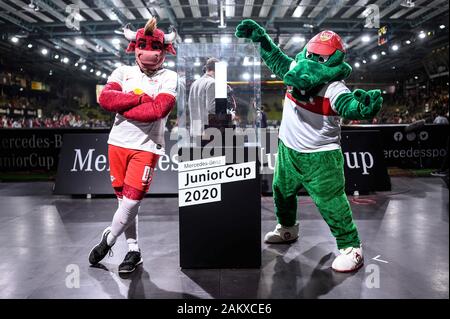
{"x":131,"y":171}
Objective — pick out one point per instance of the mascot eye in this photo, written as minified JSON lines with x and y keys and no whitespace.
{"x":323,"y":58}
{"x":142,"y":45}
{"x":308,"y":55}
{"x":156,"y":46}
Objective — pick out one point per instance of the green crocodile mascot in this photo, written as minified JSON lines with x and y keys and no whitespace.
{"x":309,"y":152}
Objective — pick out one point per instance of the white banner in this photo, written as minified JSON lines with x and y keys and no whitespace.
{"x":199,"y":195}
{"x":217,"y":175}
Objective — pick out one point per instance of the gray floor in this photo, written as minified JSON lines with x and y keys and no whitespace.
{"x":46,"y":239}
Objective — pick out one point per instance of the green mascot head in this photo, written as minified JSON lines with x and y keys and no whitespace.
{"x":321,"y":61}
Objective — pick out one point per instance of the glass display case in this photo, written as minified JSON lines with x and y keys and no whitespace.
{"x":219,"y":90}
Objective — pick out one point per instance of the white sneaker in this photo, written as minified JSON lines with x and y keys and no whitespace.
{"x":350,"y":259}
{"x":282,"y":235}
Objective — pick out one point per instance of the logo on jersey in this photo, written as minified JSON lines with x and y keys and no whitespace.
{"x":138,"y":91}
{"x":319,"y":105}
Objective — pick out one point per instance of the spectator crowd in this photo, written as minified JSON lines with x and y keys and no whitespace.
{"x":57,"y":121}
{"x":425,"y":102}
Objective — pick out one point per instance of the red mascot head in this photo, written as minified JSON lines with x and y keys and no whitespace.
{"x":150,"y":45}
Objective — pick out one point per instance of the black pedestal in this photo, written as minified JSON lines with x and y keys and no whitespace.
{"x":226,"y":233}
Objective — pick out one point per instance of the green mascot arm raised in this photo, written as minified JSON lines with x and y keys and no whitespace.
{"x":359,"y":105}
{"x":275,"y":59}
{"x":315,"y":66}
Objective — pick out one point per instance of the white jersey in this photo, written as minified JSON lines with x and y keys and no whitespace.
{"x":139,"y":135}
{"x":312,"y":125}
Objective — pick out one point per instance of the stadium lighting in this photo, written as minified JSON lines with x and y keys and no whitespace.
{"x":374,"y":56}
{"x":408,"y":41}
{"x":76,"y":64}
{"x":408,"y":4}
{"x":357,"y":64}
{"x":364,"y":61}
{"x":91,"y":70}
{"x":298,"y":39}
{"x":56,"y":56}
{"x":246,"y":76}
{"x":197,"y":63}
{"x":225,"y":39}
{"x":14,"y":39}
{"x":115,"y":41}
{"x":104,"y":75}
{"x":383,"y":52}
{"x":422,"y":34}
{"x":196,"y":76}
{"x":44,"y":51}
{"x":98,"y":73}
{"x":84,"y":67}
{"x":273,"y":76}
{"x":79,"y":41}
{"x":188,"y":40}
{"x":442,"y":26}
{"x":395,"y":47}
{"x":29,"y":46}
{"x":416,"y":77}
{"x":65,"y":60}
{"x":33,"y":6}
{"x":365,"y":39}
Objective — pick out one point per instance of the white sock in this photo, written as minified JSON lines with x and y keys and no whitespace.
{"x":132,"y":245}
{"x":124,"y":216}
{"x":111,"y":239}
{"x":131,"y":234}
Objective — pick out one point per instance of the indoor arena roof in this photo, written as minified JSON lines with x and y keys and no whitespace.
{"x":414,"y":27}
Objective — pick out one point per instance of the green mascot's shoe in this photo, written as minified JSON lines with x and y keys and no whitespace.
{"x":350,"y":259}
{"x":282,"y":235}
